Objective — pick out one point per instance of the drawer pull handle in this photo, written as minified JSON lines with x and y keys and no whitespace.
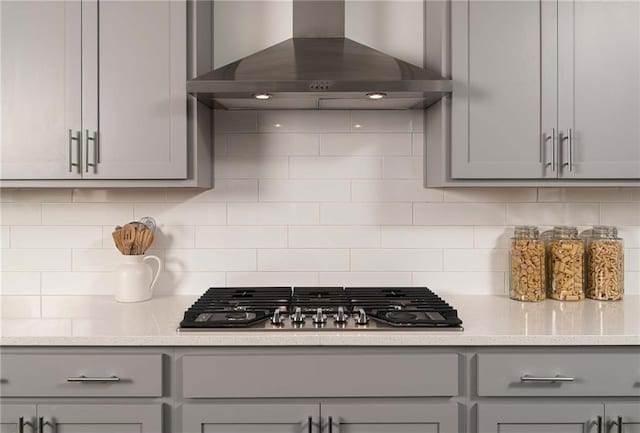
{"x":618,"y":423}
{"x":527,"y":378}
{"x":81,"y":379}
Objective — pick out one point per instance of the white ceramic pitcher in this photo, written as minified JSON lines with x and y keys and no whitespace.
{"x":134,"y":279}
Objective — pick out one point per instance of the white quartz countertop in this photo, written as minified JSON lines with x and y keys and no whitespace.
{"x":488,"y":321}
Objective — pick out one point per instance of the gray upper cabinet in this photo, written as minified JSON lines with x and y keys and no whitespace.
{"x":134,"y":69}
{"x":40,"y":56}
{"x":250,"y":418}
{"x":528,"y":417}
{"x":94,"y":90}
{"x":100,"y":418}
{"x":599,"y":89}
{"x":396,"y":417}
{"x":496,"y":63}
{"x":545,"y":90}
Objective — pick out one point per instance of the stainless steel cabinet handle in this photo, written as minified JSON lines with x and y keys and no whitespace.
{"x":528,"y":378}
{"x":93,"y":379}
{"x":551,"y":137}
{"x":310,"y":424}
{"x":93,"y":138}
{"x":78,"y":139}
{"x":599,"y":424}
{"x":41,"y":425}
{"x":570,"y":150}
{"x":22,"y":423}
{"x":330,"y":424}
{"x":618,"y":423}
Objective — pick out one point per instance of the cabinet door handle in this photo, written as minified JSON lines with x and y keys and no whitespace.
{"x":551,"y":137}
{"x":599,"y":422}
{"x":78,"y":139}
{"x":310,"y":424}
{"x":94,"y":138}
{"x":82,"y":379}
{"x":570,"y":150}
{"x":618,"y":423}
{"x":330,"y":424}
{"x":528,"y":378}
{"x":22,"y":423}
{"x":41,"y":424}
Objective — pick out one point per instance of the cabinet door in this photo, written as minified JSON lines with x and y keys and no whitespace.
{"x":629,"y":414}
{"x":134,"y":98}
{"x":532,"y":417}
{"x":40,"y":89}
{"x":250,"y":418}
{"x":498,"y":88}
{"x":400,"y":417}
{"x":599,"y":88}
{"x":10,"y":415}
{"x":100,"y":418}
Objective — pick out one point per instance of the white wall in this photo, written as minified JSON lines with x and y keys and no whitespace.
{"x":328,"y":197}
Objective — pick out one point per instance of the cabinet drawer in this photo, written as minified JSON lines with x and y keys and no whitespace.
{"x":319,"y":374}
{"x":594,"y":374}
{"x":61,"y":375}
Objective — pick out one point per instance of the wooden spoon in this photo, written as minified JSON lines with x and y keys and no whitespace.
{"x":128,"y":237}
{"x":117,"y":239}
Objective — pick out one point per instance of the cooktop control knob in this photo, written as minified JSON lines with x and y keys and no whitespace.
{"x":362,"y":318}
{"x":277,"y":318}
{"x":319,"y":318}
{"x":297,"y":316}
{"x":340,"y":317}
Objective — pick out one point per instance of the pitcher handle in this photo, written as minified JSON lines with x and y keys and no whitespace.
{"x":159,"y":263}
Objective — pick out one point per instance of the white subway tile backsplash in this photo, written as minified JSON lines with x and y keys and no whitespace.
{"x":623,"y":214}
{"x":355,"y":279}
{"x":273,"y":213}
{"x":334,"y":237}
{"x":252,"y":167}
{"x":241,"y":237}
{"x":303,"y":121}
{"x":338,"y":167}
{"x":471,"y":283}
{"x":459,"y":213}
{"x":393,"y":191}
{"x":300,"y":198}
{"x":225,"y":190}
{"x":56,"y":237}
{"x":366,"y":213}
{"x":273,"y":144}
{"x":490,"y":195}
{"x":588,"y":195}
{"x":462,"y":260}
{"x":19,"y":283}
{"x":398,"y":167}
{"x":190,"y":213}
{"x":553,"y":214}
{"x":304,"y":190}
{"x":28,"y":260}
{"x":426,"y":237}
{"x":284,"y":279}
{"x":20,"y":214}
{"x":210,"y":260}
{"x":296,"y":259}
{"x":396,"y":260}
{"x":365,"y":144}
{"x":15,"y":307}
{"x":122,"y":195}
{"x":381,"y":120}
{"x":86,"y":214}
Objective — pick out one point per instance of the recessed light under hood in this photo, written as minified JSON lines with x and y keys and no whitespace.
{"x":319,"y":69}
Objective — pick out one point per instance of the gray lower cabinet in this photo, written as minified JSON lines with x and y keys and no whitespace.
{"x":16,"y":418}
{"x":392,"y":417}
{"x":532,"y":416}
{"x":99,"y":418}
{"x":250,"y":418}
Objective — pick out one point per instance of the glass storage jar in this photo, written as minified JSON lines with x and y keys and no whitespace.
{"x":605,"y":264}
{"x":527,"y":257}
{"x":565,"y":264}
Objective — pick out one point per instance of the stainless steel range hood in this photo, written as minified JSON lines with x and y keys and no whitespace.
{"x":319,"y":69}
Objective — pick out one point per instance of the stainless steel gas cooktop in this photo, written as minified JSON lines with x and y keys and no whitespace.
{"x":320,"y":308}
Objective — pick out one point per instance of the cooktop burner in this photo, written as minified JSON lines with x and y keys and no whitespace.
{"x":320,"y":308}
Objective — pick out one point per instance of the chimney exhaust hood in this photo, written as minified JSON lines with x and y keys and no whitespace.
{"x":319,"y":69}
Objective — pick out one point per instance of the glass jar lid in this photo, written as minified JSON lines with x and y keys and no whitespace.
{"x":528,"y":232}
{"x":565,"y":232}
{"x":604,"y":232}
